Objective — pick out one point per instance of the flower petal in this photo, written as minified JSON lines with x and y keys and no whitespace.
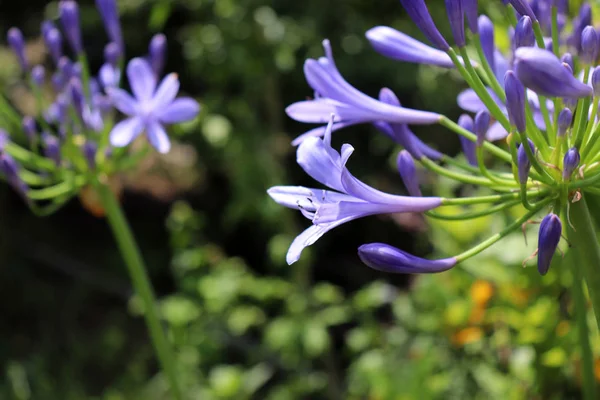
{"x":166,"y":92}
{"x":158,"y":138}
{"x":386,"y":258}
{"x":293,"y":196}
{"x":321,"y":162}
{"x":308,"y":237}
{"x":180,"y":110}
{"x":141,"y":79}
{"x":496,"y":132}
{"x":126,"y":131}
{"x":123,"y":101}
{"x":320,"y":131}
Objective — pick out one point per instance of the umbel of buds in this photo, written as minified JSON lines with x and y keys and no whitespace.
{"x":529,"y":134}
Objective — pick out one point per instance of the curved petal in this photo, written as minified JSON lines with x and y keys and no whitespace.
{"x":126,"y":131}
{"x":180,"y":110}
{"x":308,"y":237}
{"x":496,"y":132}
{"x":469,"y":101}
{"x":123,"y":101}
{"x":166,"y":92}
{"x":321,"y":162}
{"x":291,"y":196}
{"x":158,"y":138}
{"x":141,"y":79}
{"x":320,"y":131}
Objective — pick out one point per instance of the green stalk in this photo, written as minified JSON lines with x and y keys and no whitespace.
{"x":141,"y":282}
{"x":585,"y":245}
{"x":587,"y":360}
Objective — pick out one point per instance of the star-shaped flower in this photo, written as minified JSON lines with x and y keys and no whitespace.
{"x":151,"y":107}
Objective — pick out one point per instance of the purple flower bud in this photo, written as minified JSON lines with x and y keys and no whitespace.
{"x":17,"y":43}
{"x":486,"y":33}
{"x":418,"y":12}
{"x":542,"y":72}
{"x":596,"y":81}
{"x":112,"y":53}
{"x":408,"y":173}
{"x":565,"y":117}
{"x":51,"y":147}
{"x":77,"y":70}
{"x":548,"y":238}
{"x":46,"y":27}
{"x":65,"y":68}
{"x":157,"y":51}
{"x":470,"y":8}
{"x":524,"y":36}
{"x":386,"y":258}
{"x":523,"y":163}
{"x":482,"y":124}
{"x":589,"y":45}
{"x":468,"y":147}
{"x":456,"y":16}
{"x":77,"y":96}
{"x":90,"y":149}
{"x":567,"y":58}
{"x":523,"y":8}
{"x":29,"y":128}
{"x":583,"y":19}
{"x":38,"y":74}
{"x":10,"y":169}
{"x":110,"y":17}
{"x":515,"y":101}
{"x":53,"y":40}
{"x":69,"y":18}
{"x":570,"y":162}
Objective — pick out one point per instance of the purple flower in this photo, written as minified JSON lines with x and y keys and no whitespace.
{"x":51,"y":147}
{"x":486,"y":32}
{"x":10,"y":169}
{"x":515,"y":101}
{"x":565,"y":118}
{"x":570,"y":162}
{"x":157,"y":51}
{"x":418,"y":12}
{"x":524,"y":35}
{"x":523,"y":8}
{"x":399,"y":46}
{"x":548,"y":238}
{"x":408,"y":173}
{"x":456,"y":16}
{"x":523,"y":162}
{"x":542,"y":72}
{"x":53,"y":40}
{"x":151,"y":108}
{"x":468,"y":147}
{"x":596,"y":81}
{"x":69,"y":17}
{"x":110,"y":17}
{"x":589,"y":45}
{"x":386,"y":258}
{"x":17,"y":44}
{"x":481,"y":125}
{"x":89,"y":149}
{"x":470,"y":8}
{"x":336,"y":96}
{"x":350,"y":198}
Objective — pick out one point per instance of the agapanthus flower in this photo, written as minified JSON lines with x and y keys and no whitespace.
{"x":533,"y":140}
{"x":151,"y":108}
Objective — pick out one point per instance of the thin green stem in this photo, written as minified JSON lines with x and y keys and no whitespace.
{"x":498,"y":89}
{"x":585,"y":243}
{"x":141,"y":282}
{"x":463,"y":201}
{"x":464,"y":178}
{"x":474,"y":214}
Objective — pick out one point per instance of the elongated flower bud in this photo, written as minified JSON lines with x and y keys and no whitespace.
{"x":523,"y":163}
{"x":542,"y":72}
{"x":486,"y":32}
{"x":523,"y":8}
{"x":468,"y":147}
{"x":157,"y":51}
{"x":69,"y":18}
{"x":112,"y":53}
{"x":408,"y":173}
{"x":110,"y":17}
{"x":596,"y":81}
{"x":470,"y":9}
{"x":90,"y":149}
{"x":524,"y":36}
{"x":53,"y":40}
{"x":456,"y":17}
{"x":51,"y":147}
{"x":565,"y":118}
{"x":386,"y":258}
{"x":10,"y":169}
{"x":38,"y":74}
{"x":77,"y":96}
{"x":515,"y":101}
{"x":589,"y":45}
{"x":29,"y":128}
{"x":17,"y":44}
{"x":567,"y":58}
{"x":583,"y":19}
{"x":548,"y":239}
{"x":570,"y":162}
{"x":418,"y":12}
{"x":482,"y":124}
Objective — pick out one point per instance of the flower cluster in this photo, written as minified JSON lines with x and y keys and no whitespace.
{"x":529,"y":133}
{"x":78,"y":132}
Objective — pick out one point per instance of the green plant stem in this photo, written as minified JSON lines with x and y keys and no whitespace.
{"x":585,"y":244}
{"x":587,"y":360}
{"x":141,"y":282}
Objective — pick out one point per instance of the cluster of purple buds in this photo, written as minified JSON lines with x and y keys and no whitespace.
{"x":529,"y":133}
{"x":83,"y":117}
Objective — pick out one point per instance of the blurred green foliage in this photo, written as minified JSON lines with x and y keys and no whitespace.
{"x":246,"y":325}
